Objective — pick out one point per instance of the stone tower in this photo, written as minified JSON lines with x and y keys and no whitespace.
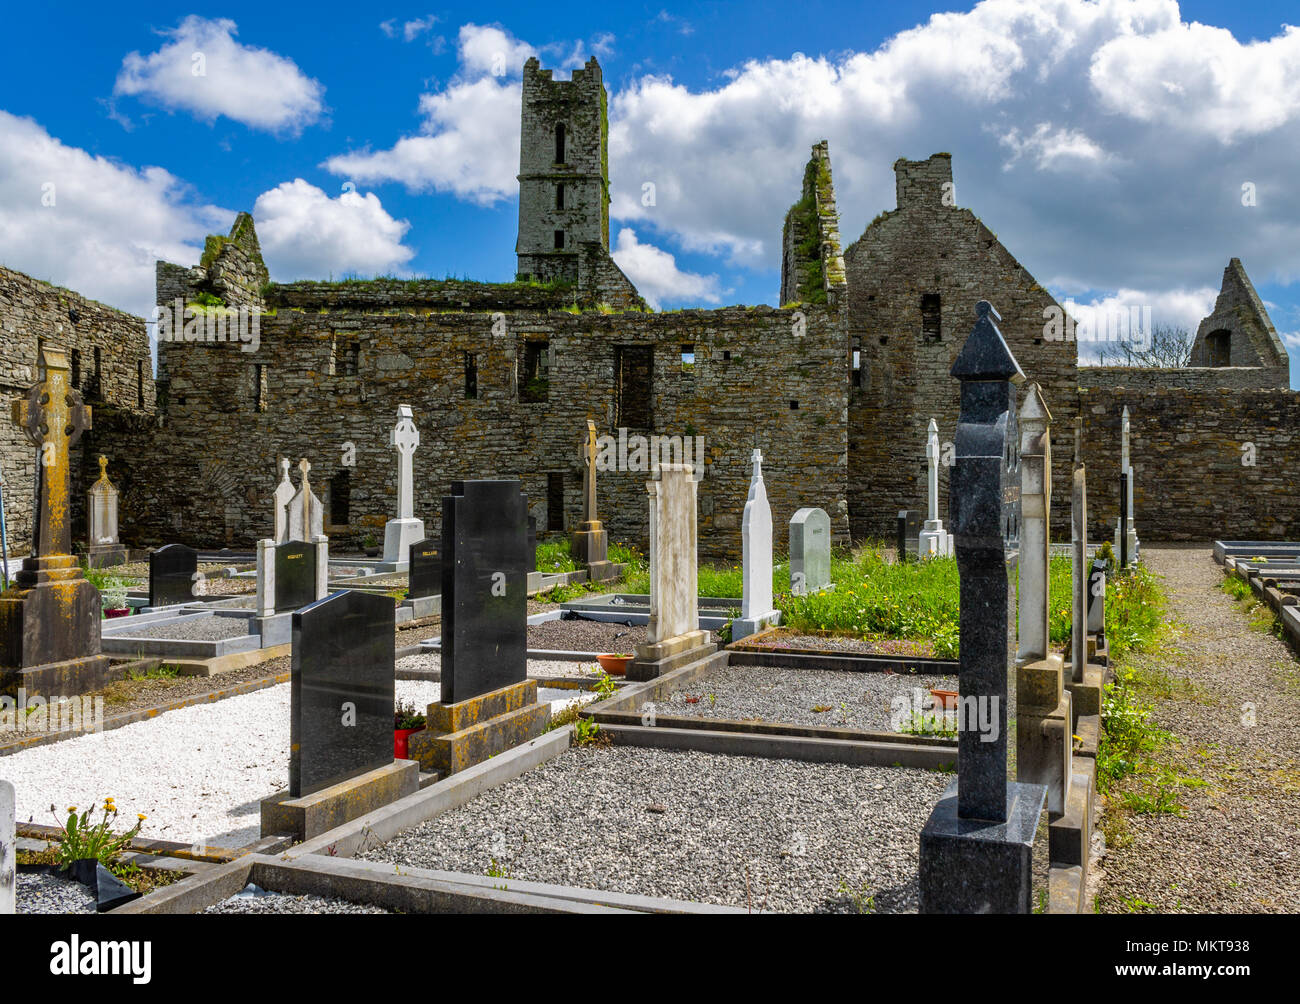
{"x":563,"y":172}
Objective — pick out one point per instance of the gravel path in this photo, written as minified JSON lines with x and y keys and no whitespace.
{"x":427,"y":662}
{"x":772,"y":694}
{"x":1234,"y":850}
{"x":197,"y":627}
{"x":42,"y":893}
{"x":585,"y":636}
{"x":275,"y":902}
{"x":809,"y":837}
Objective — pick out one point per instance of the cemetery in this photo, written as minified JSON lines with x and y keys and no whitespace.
{"x":954,"y":628}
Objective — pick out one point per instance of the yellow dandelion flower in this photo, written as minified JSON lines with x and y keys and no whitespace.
{"x":141,"y":816}
{"x":72,"y":808}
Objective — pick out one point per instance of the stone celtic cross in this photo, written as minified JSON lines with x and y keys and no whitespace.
{"x":53,"y":417}
{"x":590,"y":450}
{"x":404,"y":439}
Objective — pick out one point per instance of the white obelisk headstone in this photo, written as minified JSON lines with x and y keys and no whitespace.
{"x":935,"y":542}
{"x":756,"y":541}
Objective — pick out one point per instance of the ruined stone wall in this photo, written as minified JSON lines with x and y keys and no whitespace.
{"x":109,"y":353}
{"x":1195,"y":378}
{"x":927,"y":248}
{"x":1186,"y":451}
{"x":752,"y":384}
{"x":812,"y":264}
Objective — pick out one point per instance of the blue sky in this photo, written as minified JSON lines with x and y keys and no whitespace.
{"x":1106,"y":143}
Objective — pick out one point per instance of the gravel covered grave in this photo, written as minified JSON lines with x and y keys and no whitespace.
{"x":585,"y":636}
{"x":197,"y":773}
{"x":39,"y":892}
{"x":772,"y":835}
{"x":431,"y":662}
{"x":274,"y":902}
{"x":196,"y":628}
{"x":830,"y":698}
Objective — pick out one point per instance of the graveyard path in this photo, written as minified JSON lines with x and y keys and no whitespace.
{"x":1234,"y":848}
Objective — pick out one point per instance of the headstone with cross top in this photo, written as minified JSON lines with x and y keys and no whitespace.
{"x":404,"y":439}
{"x":306,"y":517}
{"x":53,"y":417}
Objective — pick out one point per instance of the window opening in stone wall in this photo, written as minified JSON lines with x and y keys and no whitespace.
{"x":535,"y":379}
{"x":471,"y":375}
{"x":347,"y":358}
{"x":559,"y":143}
{"x":857,"y":365}
{"x":341,"y":498}
{"x":76,"y":369}
{"x":559,"y":240}
{"x":559,"y":196}
{"x":97,"y":382}
{"x":688,"y":358}
{"x":555,"y":502}
{"x":633,"y":385}
{"x":930,"y":317}
{"x":259,"y":387}
{"x":1218,"y":346}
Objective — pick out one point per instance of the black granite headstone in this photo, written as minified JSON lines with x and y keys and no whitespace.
{"x":341,"y":690}
{"x":424,"y":569}
{"x":910,"y":522}
{"x":172,"y":570}
{"x":532,"y":542}
{"x":976,"y":847}
{"x":484,"y":588}
{"x":295,"y":575}
{"x":1123,"y":521}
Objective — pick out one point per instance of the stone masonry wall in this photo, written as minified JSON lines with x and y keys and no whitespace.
{"x":31,"y":312}
{"x":752,"y":384}
{"x":1186,"y":451}
{"x":1197,"y":378}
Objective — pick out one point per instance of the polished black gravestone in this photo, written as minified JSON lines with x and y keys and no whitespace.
{"x":532,"y":542}
{"x":910,"y":522}
{"x":341,"y":690}
{"x":295,"y":575}
{"x":424,"y":569}
{"x":484,"y":588}
{"x":1123,"y":522}
{"x":977,"y":845}
{"x":172,"y":570}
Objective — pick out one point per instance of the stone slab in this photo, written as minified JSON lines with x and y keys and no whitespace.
{"x":322,"y":810}
{"x":452,"y":752}
{"x":463,"y":714}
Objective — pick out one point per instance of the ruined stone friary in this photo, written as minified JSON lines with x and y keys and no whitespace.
{"x":836,"y":385}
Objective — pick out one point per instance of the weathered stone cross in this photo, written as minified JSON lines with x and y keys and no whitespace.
{"x":305,"y":488}
{"x":404,"y":439}
{"x":589,"y":453}
{"x":53,"y":418}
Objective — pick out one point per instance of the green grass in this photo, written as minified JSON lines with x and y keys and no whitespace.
{"x":555,"y":556}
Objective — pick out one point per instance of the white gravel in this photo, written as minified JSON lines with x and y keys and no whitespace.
{"x":776,"y":835}
{"x":196,"y":628}
{"x":197,"y":773}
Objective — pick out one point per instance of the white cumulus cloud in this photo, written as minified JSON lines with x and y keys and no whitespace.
{"x":90,"y":224}
{"x":307,"y":234}
{"x":203,"y":70}
{"x":656,"y":276}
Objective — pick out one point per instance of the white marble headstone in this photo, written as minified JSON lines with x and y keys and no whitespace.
{"x":283,"y":493}
{"x":8,"y":839}
{"x":101,"y":509}
{"x":756,"y":571}
{"x":306,"y":515}
{"x":674,"y":572}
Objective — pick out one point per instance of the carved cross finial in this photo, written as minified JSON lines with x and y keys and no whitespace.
{"x":103,"y":466}
{"x":284,"y":468}
{"x":304,"y":467}
{"x":756,"y":458}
